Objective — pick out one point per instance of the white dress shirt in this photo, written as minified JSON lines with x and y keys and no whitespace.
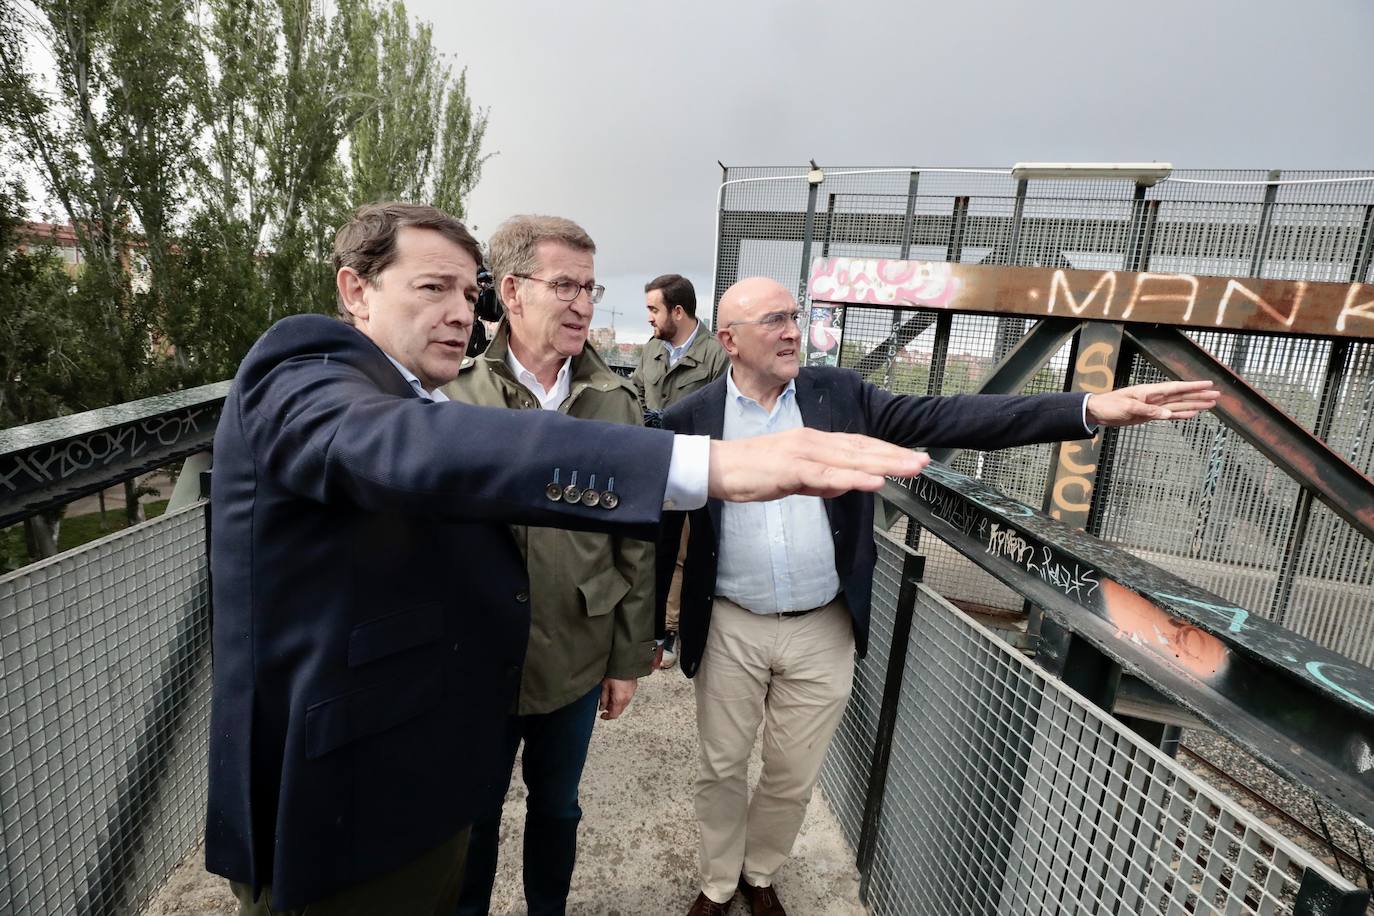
{"x":551,"y":399}
{"x":779,"y":555}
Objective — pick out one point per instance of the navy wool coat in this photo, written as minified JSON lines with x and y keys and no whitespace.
{"x":371,"y":608}
{"x":839,"y":400}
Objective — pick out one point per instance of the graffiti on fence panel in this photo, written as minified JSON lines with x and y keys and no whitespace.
{"x":1239,"y":303}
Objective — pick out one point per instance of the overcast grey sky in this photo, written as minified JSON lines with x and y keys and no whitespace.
{"x":615,"y":113}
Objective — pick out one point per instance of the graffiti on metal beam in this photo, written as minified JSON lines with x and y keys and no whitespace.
{"x":1251,"y":304}
{"x":61,"y":460}
{"x":1095,"y":372}
{"x":1142,"y":613}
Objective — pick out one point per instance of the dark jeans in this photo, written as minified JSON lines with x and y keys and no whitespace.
{"x":555,"y":751}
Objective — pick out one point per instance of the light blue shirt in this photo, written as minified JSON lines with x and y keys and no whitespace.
{"x":779,"y":555}
{"x":436,"y":395}
{"x":675,"y":353}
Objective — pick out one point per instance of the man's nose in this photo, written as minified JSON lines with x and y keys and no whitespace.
{"x":462,"y":312}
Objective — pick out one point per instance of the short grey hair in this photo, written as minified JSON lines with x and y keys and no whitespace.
{"x":512,"y":248}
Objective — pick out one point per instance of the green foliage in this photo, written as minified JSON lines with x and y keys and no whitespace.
{"x":206,"y":154}
{"x":75,"y":531}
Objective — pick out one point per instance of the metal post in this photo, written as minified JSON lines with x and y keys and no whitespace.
{"x":829,"y":224}
{"x":813,"y":183}
{"x":1018,"y":210}
{"x":719,"y":278}
{"x":908,"y":223}
{"x":913,"y":570}
{"x":955,"y":247}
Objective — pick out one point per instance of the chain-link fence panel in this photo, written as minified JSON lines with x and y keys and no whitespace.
{"x":104,"y":717}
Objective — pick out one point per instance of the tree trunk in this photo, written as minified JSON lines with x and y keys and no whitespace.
{"x":40,"y":534}
{"x":133,"y":509}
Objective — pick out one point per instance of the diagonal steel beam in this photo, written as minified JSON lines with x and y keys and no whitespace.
{"x":1303,"y":709}
{"x":1295,"y":451}
{"x":1020,"y":364}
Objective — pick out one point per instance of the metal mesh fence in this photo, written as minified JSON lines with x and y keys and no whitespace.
{"x":1009,"y":793}
{"x":1192,"y":498}
{"x":104,"y":656}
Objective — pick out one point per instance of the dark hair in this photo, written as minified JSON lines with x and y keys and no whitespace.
{"x":676,"y":290}
{"x":367,"y":242}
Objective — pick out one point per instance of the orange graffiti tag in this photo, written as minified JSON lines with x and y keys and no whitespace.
{"x":1146,"y":624}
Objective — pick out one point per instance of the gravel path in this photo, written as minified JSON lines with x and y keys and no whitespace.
{"x":637,"y":848}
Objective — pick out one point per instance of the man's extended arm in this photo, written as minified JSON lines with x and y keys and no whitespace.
{"x":992,"y":421}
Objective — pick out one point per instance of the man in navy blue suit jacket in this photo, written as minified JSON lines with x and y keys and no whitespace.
{"x":775,"y":597}
{"x":370,"y":605}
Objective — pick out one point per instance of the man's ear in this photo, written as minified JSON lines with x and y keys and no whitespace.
{"x":352,"y":289}
{"x":727,"y":341}
{"x":510,"y":295}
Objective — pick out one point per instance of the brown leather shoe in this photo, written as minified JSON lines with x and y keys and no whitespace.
{"x":763,"y":901}
{"x":705,"y":906}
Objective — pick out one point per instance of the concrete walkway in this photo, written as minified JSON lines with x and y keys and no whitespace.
{"x":637,"y":848}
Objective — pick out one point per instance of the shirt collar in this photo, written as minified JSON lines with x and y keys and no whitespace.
{"x":522,"y":374}
{"x":740,"y":398}
{"x":437,"y":395}
{"x":678,"y":351}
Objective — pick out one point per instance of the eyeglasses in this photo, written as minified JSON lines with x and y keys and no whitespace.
{"x":773,"y":321}
{"x":567,"y":290}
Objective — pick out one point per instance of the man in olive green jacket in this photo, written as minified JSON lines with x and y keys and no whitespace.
{"x":682,"y":356}
{"x":591,"y":595}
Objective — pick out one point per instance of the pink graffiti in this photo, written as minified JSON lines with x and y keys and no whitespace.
{"x":884,"y":282}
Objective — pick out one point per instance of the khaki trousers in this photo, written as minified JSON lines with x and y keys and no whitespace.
{"x":793,"y":675}
{"x":428,"y":886}
{"x":674,"y":608}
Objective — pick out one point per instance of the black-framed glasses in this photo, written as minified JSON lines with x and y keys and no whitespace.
{"x":773,"y":322}
{"x":567,"y":290}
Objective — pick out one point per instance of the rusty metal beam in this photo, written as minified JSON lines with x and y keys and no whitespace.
{"x":1303,"y":709}
{"x":1132,"y":297}
{"x":1295,"y":451}
{"x":48,"y":464}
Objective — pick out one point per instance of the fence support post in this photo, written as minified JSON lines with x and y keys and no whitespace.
{"x":913,"y":570}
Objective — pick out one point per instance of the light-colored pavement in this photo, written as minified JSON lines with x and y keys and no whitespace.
{"x":637,"y":848}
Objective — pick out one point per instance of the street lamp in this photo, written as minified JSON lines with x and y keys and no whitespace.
{"x":1145,"y":174}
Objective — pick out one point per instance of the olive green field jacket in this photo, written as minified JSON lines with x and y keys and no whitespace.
{"x":591,"y":595}
{"x":660,"y":386}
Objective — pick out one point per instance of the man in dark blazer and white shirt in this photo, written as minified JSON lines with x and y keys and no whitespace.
{"x":775,"y":595}
{"x":370,"y":604}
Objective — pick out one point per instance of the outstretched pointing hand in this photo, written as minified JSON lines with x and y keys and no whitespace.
{"x":1143,"y":403}
{"x":805,"y":461}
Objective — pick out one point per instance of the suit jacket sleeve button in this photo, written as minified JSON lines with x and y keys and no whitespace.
{"x":522,"y":596}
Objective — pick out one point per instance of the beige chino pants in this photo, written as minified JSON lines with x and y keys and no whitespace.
{"x":793,"y":675}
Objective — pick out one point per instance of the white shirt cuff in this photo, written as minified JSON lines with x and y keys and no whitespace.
{"x":1092,"y":430}
{"x":687,"y":473}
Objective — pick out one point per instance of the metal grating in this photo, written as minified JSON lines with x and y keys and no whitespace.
{"x":1191,"y":498}
{"x":1009,"y":793}
{"x":104,"y":655}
